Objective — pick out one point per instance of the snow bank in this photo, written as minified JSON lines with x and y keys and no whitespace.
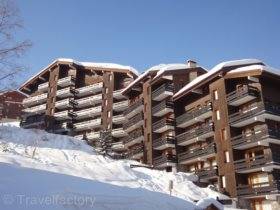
{"x":40,"y":165}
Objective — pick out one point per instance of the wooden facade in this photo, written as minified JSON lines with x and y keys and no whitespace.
{"x":11,"y":105}
{"x":80,"y":100}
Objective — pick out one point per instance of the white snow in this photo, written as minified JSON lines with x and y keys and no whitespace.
{"x":255,"y":67}
{"x":214,"y":70}
{"x":37,"y":168}
{"x":86,"y":64}
{"x":168,"y":67}
{"x":139,"y":78}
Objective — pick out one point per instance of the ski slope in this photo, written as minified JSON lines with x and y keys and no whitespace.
{"x":47,"y":171}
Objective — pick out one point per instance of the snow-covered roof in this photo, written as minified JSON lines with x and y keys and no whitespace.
{"x":216,"y":69}
{"x":255,"y":67}
{"x":160,"y":69}
{"x":168,"y":67}
{"x":138,"y":79}
{"x":87,"y":64}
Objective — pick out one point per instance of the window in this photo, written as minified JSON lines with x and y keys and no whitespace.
{"x":224,"y":134}
{"x":109,"y":114}
{"x":106,"y":102}
{"x":223,"y":184}
{"x":106,"y":90}
{"x":145,"y":107}
{"x":216,"y":95}
{"x":218,"y":114}
{"x":226,"y":156}
{"x":145,"y":123}
{"x":110,"y":77}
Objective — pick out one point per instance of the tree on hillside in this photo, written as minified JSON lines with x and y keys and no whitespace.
{"x":11,"y":49}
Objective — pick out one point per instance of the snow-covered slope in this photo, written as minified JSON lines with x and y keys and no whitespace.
{"x":46,"y":171}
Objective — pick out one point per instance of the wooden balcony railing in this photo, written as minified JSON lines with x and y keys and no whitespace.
{"x":163,"y":122}
{"x":157,"y":161}
{"x":200,"y":152}
{"x":268,"y":107}
{"x":255,"y":136}
{"x":207,"y":173}
{"x":257,"y":162}
{"x":162,"y":105}
{"x":164,"y":140}
{"x":265,"y":188}
{"x":240,"y":93}
{"x":193,"y":114}
{"x":133,"y":106}
{"x":194,"y":133}
{"x":162,"y":89}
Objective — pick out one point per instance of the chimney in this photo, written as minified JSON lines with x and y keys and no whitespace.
{"x":191,"y":64}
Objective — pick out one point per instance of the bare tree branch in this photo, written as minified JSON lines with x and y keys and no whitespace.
{"x":10,"y":48}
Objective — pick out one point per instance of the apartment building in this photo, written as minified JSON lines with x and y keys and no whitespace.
{"x":80,"y":99}
{"x":11,"y":105}
{"x":228,"y":131}
{"x":150,"y":116}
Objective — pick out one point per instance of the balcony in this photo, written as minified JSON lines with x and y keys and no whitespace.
{"x":162,"y":108}
{"x":64,"y":115}
{"x":134,"y":122}
{"x":207,"y":174}
{"x":65,"y":92}
{"x":196,"y":155}
{"x":258,"y":163}
{"x":43,"y":87}
{"x":136,"y":153}
{"x":135,"y":137}
{"x":134,"y":109}
{"x":118,"y":132}
{"x":87,"y":125}
{"x":120,"y":106}
{"x":195,"y":116}
{"x":200,"y":133}
{"x":90,"y":89}
{"x":119,"y":119}
{"x":257,"y":112}
{"x":241,"y":96}
{"x":60,"y":128}
{"x":163,"y":125}
{"x":164,"y":161}
{"x":162,"y":92}
{"x":164,"y":142}
{"x":87,"y":113}
{"x":40,"y":109}
{"x":34,"y":100}
{"x":93,"y":135}
{"x":88,"y":101}
{"x":66,"y":81}
{"x":260,"y":189}
{"x":65,"y":103}
{"x":118,"y":146}
{"x":117,"y":94}
{"x":33,"y":121}
{"x":263,"y":136}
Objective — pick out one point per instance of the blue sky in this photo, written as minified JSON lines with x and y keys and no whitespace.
{"x":142,"y":33}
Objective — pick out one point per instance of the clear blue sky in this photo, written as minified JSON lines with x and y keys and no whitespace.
{"x":142,"y":33}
